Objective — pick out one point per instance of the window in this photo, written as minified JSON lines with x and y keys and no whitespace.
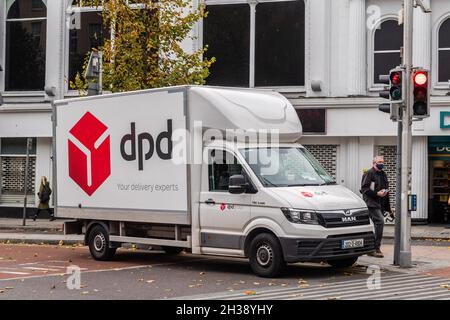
{"x":222,"y":165}
{"x":313,"y":120}
{"x":12,"y":169}
{"x":26,"y":30}
{"x":275,"y":58}
{"x":280,"y":44}
{"x":226,"y":31}
{"x":295,"y":167}
{"x":37,"y":5}
{"x":88,"y":33}
{"x":444,"y":51}
{"x":387,"y":43}
{"x":16,"y":146}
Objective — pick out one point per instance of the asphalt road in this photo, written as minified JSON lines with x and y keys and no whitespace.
{"x":39,"y":272}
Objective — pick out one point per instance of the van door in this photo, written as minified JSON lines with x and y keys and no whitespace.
{"x":223,"y":216}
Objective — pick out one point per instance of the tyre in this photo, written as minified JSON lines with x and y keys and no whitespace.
{"x":343,"y":263}
{"x":99,"y":244}
{"x":172,"y":250}
{"x":266,"y":256}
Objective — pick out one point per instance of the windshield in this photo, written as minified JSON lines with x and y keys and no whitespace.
{"x":286,"y":167}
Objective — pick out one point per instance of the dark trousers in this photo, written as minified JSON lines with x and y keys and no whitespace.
{"x":38,"y":211}
{"x":378,"y":220}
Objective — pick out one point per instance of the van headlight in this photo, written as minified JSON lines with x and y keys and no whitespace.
{"x":300,"y":216}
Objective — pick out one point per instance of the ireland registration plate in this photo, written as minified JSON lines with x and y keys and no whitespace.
{"x":354,"y":243}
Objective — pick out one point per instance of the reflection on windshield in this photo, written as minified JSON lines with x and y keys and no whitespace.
{"x":286,"y":167}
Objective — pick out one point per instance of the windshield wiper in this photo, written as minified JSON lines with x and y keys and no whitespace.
{"x":328,"y":183}
{"x":267,"y":181}
{"x":303,"y":185}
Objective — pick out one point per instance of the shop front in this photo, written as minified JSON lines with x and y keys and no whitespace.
{"x":439,"y":186}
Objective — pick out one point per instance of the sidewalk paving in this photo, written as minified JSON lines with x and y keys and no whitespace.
{"x":421,"y":232}
{"x":39,"y":226}
{"x":39,"y":231}
{"x":43,"y":230}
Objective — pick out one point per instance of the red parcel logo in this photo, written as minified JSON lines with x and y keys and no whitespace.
{"x":89,"y":153}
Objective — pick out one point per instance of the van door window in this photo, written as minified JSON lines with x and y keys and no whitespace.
{"x":221,"y":166}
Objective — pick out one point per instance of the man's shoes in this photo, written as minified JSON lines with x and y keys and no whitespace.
{"x":34,"y":218}
{"x":377,"y":254}
{"x":52,"y":218}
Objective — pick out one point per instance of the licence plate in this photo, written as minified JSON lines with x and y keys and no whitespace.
{"x":354,"y":243}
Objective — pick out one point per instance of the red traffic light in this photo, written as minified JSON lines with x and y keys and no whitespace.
{"x":421,"y":103}
{"x":396,"y":78}
{"x":420,"y":78}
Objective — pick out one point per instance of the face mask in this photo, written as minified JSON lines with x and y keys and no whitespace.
{"x":380,"y":166}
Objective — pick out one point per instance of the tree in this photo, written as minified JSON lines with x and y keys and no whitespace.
{"x":144,"y":50}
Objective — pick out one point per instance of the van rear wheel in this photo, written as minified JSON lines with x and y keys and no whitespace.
{"x":99,"y":244}
{"x":342,"y":263}
{"x":266,"y":256}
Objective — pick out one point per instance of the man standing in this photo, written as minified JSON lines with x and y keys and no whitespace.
{"x":375,"y":190}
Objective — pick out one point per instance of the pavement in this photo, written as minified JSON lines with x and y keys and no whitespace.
{"x":45,"y":230}
{"x":39,"y":231}
{"x":421,"y":232}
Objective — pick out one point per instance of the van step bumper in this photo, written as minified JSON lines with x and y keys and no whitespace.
{"x":316,"y":250}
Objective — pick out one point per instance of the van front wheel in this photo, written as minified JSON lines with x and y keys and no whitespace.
{"x":266,"y":256}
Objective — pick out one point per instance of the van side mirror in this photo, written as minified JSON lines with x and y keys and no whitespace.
{"x":237,"y":184}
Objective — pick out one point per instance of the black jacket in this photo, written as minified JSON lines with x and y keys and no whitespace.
{"x":379,"y":181}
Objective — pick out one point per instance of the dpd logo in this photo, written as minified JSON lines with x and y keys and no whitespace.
{"x":89,"y":153}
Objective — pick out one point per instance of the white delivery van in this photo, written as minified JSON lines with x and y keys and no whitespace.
{"x":195,"y":168}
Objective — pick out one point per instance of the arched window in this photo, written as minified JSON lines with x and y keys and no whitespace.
{"x":26,"y":30}
{"x":444,"y":51}
{"x":387,"y":43}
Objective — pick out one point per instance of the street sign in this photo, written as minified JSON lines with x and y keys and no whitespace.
{"x":412,"y":202}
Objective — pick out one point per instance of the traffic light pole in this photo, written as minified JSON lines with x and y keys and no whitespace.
{"x":405,"y":214}
{"x":398,"y":197}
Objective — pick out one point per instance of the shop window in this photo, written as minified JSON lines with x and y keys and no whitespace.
{"x":279,"y":34}
{"x":313,"y":120}
{"x":12,"y":169}
{"x":16,"y":146}
{"x":26,"y":29}
{"x":387,"y":43}
{"x":444,"y":51}
{"x":280,"y":44}
{"x":226,"y":32}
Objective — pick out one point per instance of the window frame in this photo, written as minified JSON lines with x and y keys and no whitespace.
{"x":236,"y":155}
{"x":69,"y":11}
{"x":5,"y":9}
{"x":437,"y":85}
{"x":252,"y":4}
{"x":371,"y":85}
{"x":82,"y":9}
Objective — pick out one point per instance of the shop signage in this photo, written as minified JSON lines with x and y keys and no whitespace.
{"x":445,"y":120}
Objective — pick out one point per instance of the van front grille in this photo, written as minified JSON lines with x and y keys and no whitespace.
{"x":344,"y":218}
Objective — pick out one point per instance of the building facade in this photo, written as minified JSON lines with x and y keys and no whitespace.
{"x":324,"y":55}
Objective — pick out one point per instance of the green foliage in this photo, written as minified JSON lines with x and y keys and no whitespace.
{"x":144,"y":50}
